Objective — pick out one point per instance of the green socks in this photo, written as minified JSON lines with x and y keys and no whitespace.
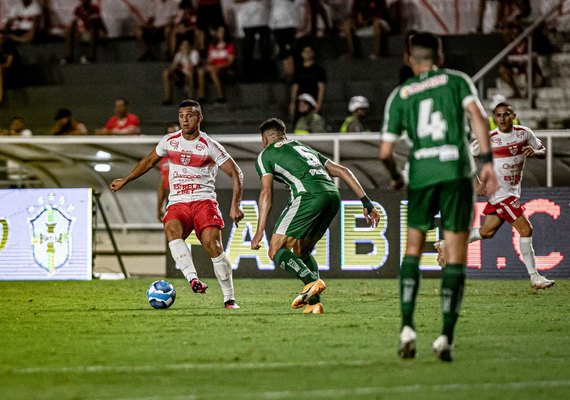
{"x":409,"y":285}
{"x":291,"y":263}
{"x":452,"y":287}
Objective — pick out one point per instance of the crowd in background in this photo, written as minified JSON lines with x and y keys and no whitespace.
{"x":197,"y":39}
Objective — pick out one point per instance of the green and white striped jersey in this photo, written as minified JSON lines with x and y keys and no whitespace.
{"x":297,"y":165}
{"x":431,"y":108}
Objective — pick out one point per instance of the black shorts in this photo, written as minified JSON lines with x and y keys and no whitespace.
{"x":285,"y":39}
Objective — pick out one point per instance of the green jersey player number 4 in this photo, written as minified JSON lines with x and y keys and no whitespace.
{"x":431,"y":107}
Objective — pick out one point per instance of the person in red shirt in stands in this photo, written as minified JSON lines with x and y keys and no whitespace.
{"x":221,"y":57}
{"x":122,"y":123}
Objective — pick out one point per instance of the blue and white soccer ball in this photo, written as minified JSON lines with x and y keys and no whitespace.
{"x":161,"y":294}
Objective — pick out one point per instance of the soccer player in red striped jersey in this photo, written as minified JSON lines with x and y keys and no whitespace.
{"x":194,"y":161}
{"x":511,"y":145}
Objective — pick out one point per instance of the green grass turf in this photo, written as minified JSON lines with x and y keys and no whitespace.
{"x":101,"y":340}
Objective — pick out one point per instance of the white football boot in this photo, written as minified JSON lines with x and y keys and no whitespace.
{"x":538,"y":281}
{"x":442,"y":349}
{"x":407,"y":347}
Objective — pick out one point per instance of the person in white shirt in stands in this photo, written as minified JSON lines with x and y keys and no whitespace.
{"x":23,"y":20}
{"x":511,"y":145}
{"x":181,"y":70}
{"x":194,"y":161}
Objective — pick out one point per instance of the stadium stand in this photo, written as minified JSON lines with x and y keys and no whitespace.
{"x":89,"y":88}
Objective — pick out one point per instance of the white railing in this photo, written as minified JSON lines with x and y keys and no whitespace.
{"x":90,"y":142}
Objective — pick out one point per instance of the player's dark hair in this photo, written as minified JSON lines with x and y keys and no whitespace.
{"x":425,"y":46}
{"x":503,"y":104}
{"x":190,"y":103}
{"x":273,"y":124}
{"x":123,"y":100}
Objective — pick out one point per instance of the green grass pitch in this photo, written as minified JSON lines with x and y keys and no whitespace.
{"x":101,"y":340}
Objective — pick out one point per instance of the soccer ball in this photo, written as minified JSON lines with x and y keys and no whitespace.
{"x":161,"y":294}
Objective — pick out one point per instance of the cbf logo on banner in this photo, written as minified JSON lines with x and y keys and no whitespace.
{"x":45,"y":234}
{"x":51,"y":238}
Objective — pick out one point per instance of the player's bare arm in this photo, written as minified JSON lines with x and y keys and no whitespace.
{"x":480,"y":125}
{"x":144,"y":165}
{"x":387,"y":158}
{"x":264,"y":202}
{"x":531,"y":152}
{"x":233,"y":171}
{"x":370,"y":214}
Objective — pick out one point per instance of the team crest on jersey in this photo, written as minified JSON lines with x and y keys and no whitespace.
{"x":513,"y":149}
{"x":185,"y":158}
{"x":174,"y":144}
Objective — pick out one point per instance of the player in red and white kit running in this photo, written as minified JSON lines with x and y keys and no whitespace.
{"x":511,"y":145}
{"x":192,"y":206}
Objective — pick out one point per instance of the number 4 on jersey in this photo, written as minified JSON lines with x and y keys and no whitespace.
{"x":431,"y":123}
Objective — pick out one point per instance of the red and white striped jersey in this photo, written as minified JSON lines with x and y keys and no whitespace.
{"x":193,"y":166}
{"x":508,"y":159}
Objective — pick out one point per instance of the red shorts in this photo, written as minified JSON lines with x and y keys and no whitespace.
{"x":195,"y":216}
{"x":509,"y":209}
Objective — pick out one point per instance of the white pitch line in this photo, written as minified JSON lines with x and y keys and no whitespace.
{"x":91,"y":369}
{"x":231,"y":366}
{"x":368,"y":391}
{"x":408,"y":389}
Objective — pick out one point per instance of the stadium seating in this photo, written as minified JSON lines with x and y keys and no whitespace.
{"x":89,"y":90}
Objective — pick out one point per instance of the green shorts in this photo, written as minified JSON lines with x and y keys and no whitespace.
{"x":308,"y":215}
{"x":455,"y":199}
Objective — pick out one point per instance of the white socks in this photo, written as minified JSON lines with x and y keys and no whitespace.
{"x":182,"y":256}
{"x":527,"y":253}
{"x":222,"y":267}
{"x":223,"y":271}
{"x":474,"y":235}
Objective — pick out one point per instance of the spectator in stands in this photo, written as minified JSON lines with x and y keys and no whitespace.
{"x":221,"y":56}
{"x":210,"y":19}
{"x":358,"y":107}
{"x":368,"y":13}
{"x":516,"y":62}
{"x":17,"y":127}
{"x":284,"y":20}
{"x":185,"y":25}
{"x":309,"y":78}
{"x":122,"y":123}
{"x":504,"y":12}
{"x":405,"y":70}
{"x":23,"y":20}
{"x":253,"y":17}
{"x":319,"y":15}
{"x":163,"y":188}
{"x":512,"y":11}
{"x":9,"y":65}
{"x":309,"y":120}
{"x":88,"y":25}
{"x":181,"y":70}
{"x":157,"y":28}
{"x":65,"y":124}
